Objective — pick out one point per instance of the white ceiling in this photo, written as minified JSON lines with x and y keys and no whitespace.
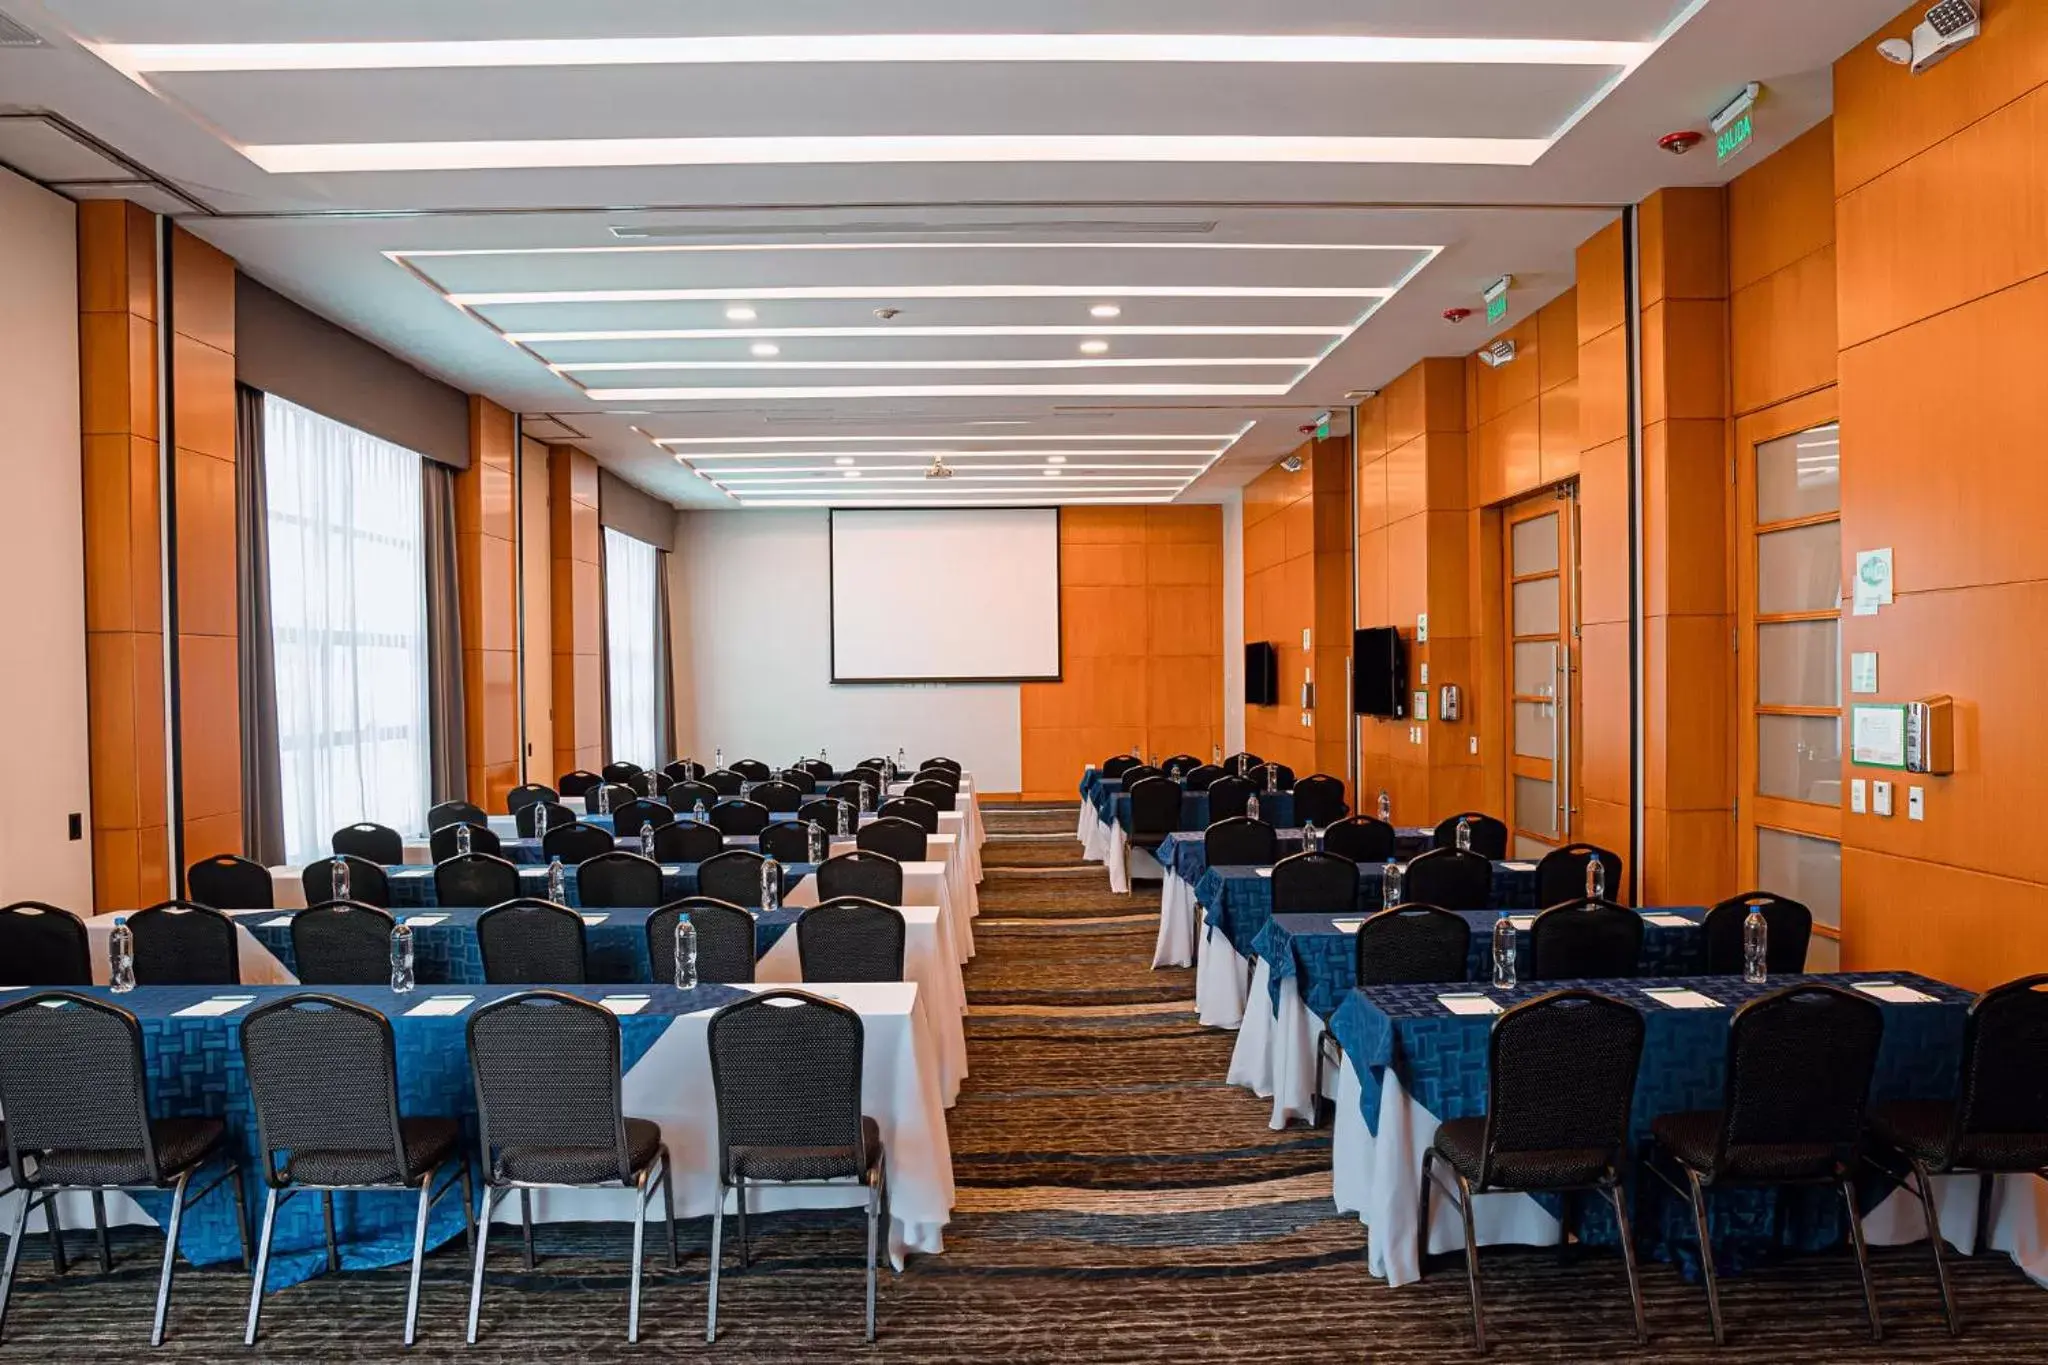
{"x":1258,"y":281}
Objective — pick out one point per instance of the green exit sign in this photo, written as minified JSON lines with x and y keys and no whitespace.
{"x":1735,"y":136}
{"x":1496,"y":308}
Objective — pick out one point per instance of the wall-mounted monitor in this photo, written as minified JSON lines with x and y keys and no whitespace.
{"x":1261,"y":674}
{"x":1379,"y":673}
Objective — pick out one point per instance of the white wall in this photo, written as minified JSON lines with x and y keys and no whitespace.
{"x":44,"y":758}
{"x":752,"y":621}
{"x":1233,"y":624}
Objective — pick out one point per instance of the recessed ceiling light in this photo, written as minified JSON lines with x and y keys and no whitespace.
{"x":844,"y":459}
{"x":748,"y":393}
{"x":1055,"y":459}
{"x":815,"y":440}
{"x":851,"y":474}
{"x":1095,"y":347}
{"x":1092,"y":348}
{"x":765,"y":348}
{"x":1105,"y":310}
{"x":1052,"y":473}
{"x":920,"y":291}
{"x":894,"y":333}
{"x":336,"y":158}
{"x":740,"y":313}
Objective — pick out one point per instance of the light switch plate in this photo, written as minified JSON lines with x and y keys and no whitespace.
{"x":1422,"y":628}
{"x":1425,"y":675}
{"x":1916,"y":803}
{"x":1421,"y":711}
{"x":1475,"y":744}
{"x":1859,"y":796}
{"x":1881,"y":798}
{"x":1305,"y":645}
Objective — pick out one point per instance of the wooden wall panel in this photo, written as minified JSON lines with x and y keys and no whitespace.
{"x":1279,"y":603}
{"x":1605,"y":784}
{"x":487,"y":567}
{"x":1141,"y":619}
{"x":576,"y":592}
{"x":123,"y":555}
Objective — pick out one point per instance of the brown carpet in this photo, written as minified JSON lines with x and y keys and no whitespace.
{"x":1117,"y":1203}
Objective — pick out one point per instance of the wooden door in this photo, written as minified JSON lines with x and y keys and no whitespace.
{"x":1540,"y":547}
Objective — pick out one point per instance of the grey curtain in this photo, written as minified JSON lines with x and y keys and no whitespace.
{"x":664,"y":664}
{"x":447,"y":757}
{"x":604,"y":655}
{"x":262,"y":786}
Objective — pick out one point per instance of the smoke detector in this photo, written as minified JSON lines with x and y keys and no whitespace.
{"x":1456,"y":314}
{"x":1680,"y":142}
{"x":1498,"y":354}
{"x":939,"y":468}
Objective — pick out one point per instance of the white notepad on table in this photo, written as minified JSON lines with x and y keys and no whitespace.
{"x":1680,"y":998}
{"x":423,"y":921}
{"x":276,"y":922}
{"x":441,"y":1006}
{"x":1670,"y":921}
{"x":595,"y":919}
{"x":1894,"y":994}
{"x":1522,"y":921}
{"x":1347,"y":926}
{"x":1469,"y":1004}
{"x":214,"y":1008}
{"x":624,"y":1004}
{"x":1265,"y":872}
{"x":1519,"y":867}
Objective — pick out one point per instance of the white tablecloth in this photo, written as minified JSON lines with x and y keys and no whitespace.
{"x":1275,"y":1053}
{"x":1179,"y":918}
{"x":1219,"y":981}
{"x":1380,"y":1179}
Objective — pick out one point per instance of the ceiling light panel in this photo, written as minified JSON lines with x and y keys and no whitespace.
{"x":729,"y":393}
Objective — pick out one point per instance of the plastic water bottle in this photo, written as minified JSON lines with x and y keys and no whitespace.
{"x":1390,"y":884}
{"x":867,"y":798}
{"x":1216,"y":755}
{"x":771,"y":886}
{"x":1243,"y":764}
{"x":401,"y":957}
{"x":1596,"y":879}
{"x":647,"y":838}
{"x":718,"y":759}
{"x":817,"y":842}
{"x":337,"y":879}
{"x":1174,"y":772}
{"x":1311,"y":837}
{"x":1503,"y":952}
{"x":1272,"y":777}
{"x":558,"y":881}
{"x":1756,"y":948}
{"x":902,"y":760}
{"x":604,"y":798}
{"x":821,"y":755}
{"x":1386,"y":807}
{"x":1251,"y":806}
{"x":121,"y":957}
{"x":697,"y":811}
{"x":464,"y":842}
{"x":1464,"y":835}
{"x":843,"y":815}
{"x":686,"y":954}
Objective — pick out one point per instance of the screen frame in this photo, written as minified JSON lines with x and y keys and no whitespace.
{"x":1059,"y":601}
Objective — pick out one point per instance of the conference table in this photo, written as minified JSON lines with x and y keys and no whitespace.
{"x":191,"y":1043}
{"x":1306,"y":964}
{"x":1105,"y":827}
{"x":1408,"y":1064}
{"x":1236,"y":902}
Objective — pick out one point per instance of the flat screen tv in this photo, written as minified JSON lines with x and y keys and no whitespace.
{"x":1261,"y":675}
{"x":1379,"y":673}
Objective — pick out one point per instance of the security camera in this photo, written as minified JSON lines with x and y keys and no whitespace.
{"x":1950,"y":25}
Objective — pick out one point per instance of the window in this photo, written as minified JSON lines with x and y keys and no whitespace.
{"x":629,"y":593}
{"x":348,"y":623}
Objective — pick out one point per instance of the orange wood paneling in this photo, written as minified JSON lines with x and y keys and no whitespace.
{"x":487,"y":565}
{"x":1684,"y":241}
{"x":1782,"y":333}
{"x":576,"y":595}
{"x":1602,"y":284}
{"x":1783,"y":209}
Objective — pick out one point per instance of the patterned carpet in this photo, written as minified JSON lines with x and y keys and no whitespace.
{"x":1117,"y":1203}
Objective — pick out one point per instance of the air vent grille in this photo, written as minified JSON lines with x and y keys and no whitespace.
{"x":13,"y":33}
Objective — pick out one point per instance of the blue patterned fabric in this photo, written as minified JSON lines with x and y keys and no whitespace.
{"x":412,"y":888}
{"x":1239,"y":902}
{"x":1186,"y":854}
{"x":1324,"y":959}
{"x":447,"y":954}
{"x":1441,"y":1059}
{"x":196,"y":1071}
{"x":1275,"y":808}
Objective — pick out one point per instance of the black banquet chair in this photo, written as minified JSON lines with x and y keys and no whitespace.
{"x":1361,"y":838}
{"x":1202,"y":778}
{"x":1788,"y":930}
{"x":1240,"y":842}
{"x":621,"y":773}
{"x":939,"y":794}
{"x":524,"y":795}
{"x":628,"y":816}
{"x":536,"y":818}
{"x":683,"y":770}
{"x":442,"y":843}
{"x":899,"y":838}
{"x":577,"y":783}
{"x":1798,"y":1078}
{"x":367,"y":882}
{"x":527,"y":942}
{"x":1585,"y":940}
{"x":1155,"y":813}
{"x":380,"y":844}
{"x":915,"y":809}
{"x":725,"y":940}
{"x":475,"y":879}
{"x":606,"y":797}
{"x":227,"y":882}
{"x":1449,"y":877}
{"x":735,"y":816}
{"x":861,"y":791}
{"x":561,"y":1124}
{"x":456,"y":813}
{"x":752,"y":769}
{"x":1319,"y":800}
{"x":951,"y":765}
{"x":1997,"y":1124}
{"x":1413,"y":944}
{"x":1561,"y":1075}
{"x":1561,"y":874}
{"x":778,"y":796}
{"x":323,"y":1078}
{"x":874,"y":876}
{"x":850,"y":939}
{"x":1228,"y":796}
{"x":685,"y":797}
{"x":945,"y":777}
{"x":1116,"y":766}
{"x":1272,"y":777}
{"x":687,"y":841}
{"x":828,"y":811}
{"x":1489,"y":836}
{"x":1315,"y":883}
{"x":724,"y":781}
{"x":575,"y":843}
{"x":611,"y":880}
{"x":786,"y":1077}
{"x":42,"y":945}
{"x":63,"y":1135}
{"x":1242,"y":763}
{"x":181,"y":943}
{"x":342,"y":943}
{"x":789,"y":841}
{"x":734,"y":876}
{"x":654,"y":785}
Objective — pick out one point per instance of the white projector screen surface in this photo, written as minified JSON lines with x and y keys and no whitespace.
{"x":969,"y":595}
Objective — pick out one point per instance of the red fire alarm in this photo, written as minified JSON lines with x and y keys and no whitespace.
{"x":1681,"y":142}
{"x":1456,"y":314}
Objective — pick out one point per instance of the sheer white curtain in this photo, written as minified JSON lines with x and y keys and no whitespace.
{"x":630,"y":648}
{"x":349,"y":622}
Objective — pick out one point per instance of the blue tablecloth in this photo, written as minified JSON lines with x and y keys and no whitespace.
{"x":447,"y":954}
{"x":196,"y":1070}
{"x":1441,"y":1059}
{"x":1323,"y":960}
{"x":412,"y":888}
{"x":1238,"y":901}
{"x":1186,"y":855}
{"x":1275,"y":808}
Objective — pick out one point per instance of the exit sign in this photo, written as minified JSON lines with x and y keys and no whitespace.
{"x":1735,"y":136}
{"x":1496,"y":296}
{"x":1497,"y":308}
